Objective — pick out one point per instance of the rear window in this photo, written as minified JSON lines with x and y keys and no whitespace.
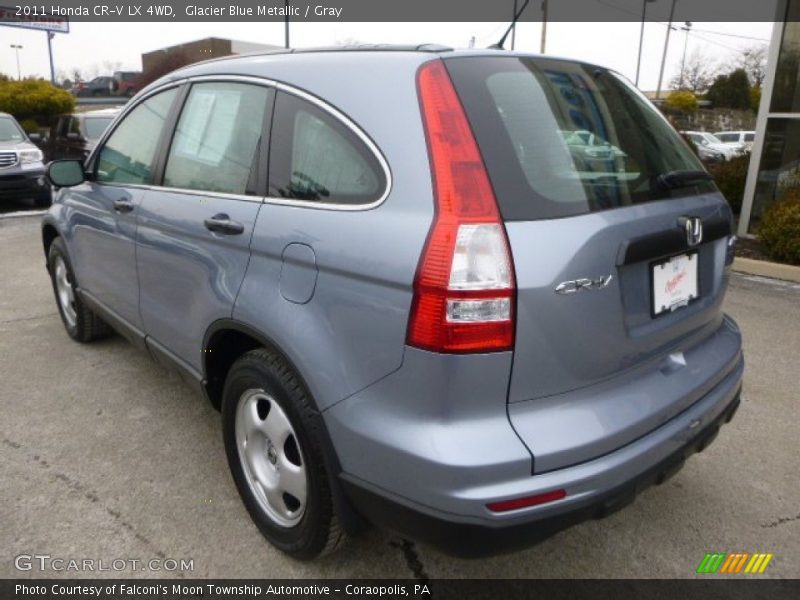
{"x":561,"y":138}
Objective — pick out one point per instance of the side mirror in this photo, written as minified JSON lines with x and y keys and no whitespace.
{"x":35,"y":137}
{"x":66,"y":173}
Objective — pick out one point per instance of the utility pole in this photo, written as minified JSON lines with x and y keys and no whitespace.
{"x":544,"y":27}
{"x":641,"y":40}
{"x":17,"y":48}
{"x":686,"y":28}
{"x":514,"y":28}
{"x":286,"y":26}
{"x":50,"y":36}
{"x":664,"y":56}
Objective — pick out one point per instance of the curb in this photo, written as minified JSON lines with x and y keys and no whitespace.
{"x":22,"y":214}
{"x":766,"y":269}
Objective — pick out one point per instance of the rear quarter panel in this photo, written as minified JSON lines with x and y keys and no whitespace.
{"x":352,"y":331}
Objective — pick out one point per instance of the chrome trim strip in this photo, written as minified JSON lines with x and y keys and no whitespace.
{"x":188,"y":192}
{"x":337,"y":114}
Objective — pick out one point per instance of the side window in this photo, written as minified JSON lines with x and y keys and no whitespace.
{"x":315,"y":157}
{"x":127,"y":156}
{"x":75,"y":126}
{"x":749,"y":137}
{"x":217,"y":138}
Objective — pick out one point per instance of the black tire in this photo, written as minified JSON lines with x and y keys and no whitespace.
{"x":318,"y":531}
{"x":86,"y":326}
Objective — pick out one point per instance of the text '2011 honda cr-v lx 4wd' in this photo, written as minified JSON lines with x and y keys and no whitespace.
{"x":471,"y":296}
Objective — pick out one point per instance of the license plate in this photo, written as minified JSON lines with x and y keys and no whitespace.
{"x":674,"y":283}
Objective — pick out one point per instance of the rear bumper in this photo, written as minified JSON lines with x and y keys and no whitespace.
{"x":23,"y":184}
{"x":427,"y":448}
{"x":471,"y":540}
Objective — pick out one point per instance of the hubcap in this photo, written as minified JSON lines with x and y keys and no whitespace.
{"x":269,"y":452}
{"x":65,"y":293}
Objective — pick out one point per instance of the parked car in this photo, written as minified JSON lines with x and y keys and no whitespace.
{"x":409,"y":304}
{"x":76,"y":134}
{"x":592,"y":151}
{"x":710,"y":142}
{"x":22,"y":172}
{"x":99,"y":86}
{"x":126,"y":83}
{"x":737,"y":139}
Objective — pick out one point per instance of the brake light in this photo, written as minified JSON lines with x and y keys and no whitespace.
{"x":464,"y":290}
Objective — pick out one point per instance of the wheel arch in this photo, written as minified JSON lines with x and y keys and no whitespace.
{"x":224,"y":342}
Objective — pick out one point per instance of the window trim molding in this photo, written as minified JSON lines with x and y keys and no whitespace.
{"x":278,"y":86}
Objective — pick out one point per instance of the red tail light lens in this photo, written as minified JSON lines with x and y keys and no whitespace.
{"x":464,"y":291}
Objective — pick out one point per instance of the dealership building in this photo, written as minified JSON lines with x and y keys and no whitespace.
{"x":775,"y":166}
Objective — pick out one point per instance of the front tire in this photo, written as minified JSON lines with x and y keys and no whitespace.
{"x":275,"y":456}
{"x":81,"y":323}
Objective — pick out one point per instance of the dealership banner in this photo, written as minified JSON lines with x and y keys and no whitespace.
{"x":408,"y":589}
{"x":398,"y":10}
{"x":42,"y":19}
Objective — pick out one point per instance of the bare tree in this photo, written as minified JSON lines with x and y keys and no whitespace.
{"x":111,"y":66}
{"x":754,"y":61}
{"x":698,"y":73}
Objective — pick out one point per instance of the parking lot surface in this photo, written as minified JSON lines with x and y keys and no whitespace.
{"x":104,"y":455}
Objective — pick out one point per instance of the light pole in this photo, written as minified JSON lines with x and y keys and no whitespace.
{"x":641,"y":39}
{"x":666,"y":46}
{"x":543,"y":44}
{"x":686,"y":28}
{"x":286,"y":26}
{"x":17,"y":48}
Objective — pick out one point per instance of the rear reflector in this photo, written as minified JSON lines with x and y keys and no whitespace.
{"x":464,"y":290}
{"x":516,"y":503}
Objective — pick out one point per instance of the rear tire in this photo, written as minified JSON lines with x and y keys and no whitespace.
{"x":272,"y":444}
{"x":81,"y":323}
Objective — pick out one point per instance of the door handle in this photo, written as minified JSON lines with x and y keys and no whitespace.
{"x":221,"y":223}
{"x":123,"y":206}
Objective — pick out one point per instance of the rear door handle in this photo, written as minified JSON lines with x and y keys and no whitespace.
{"x":123,"y":206}
{"x":221,"y":223}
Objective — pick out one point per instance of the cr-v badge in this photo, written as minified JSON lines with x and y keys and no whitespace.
{"x":576,"y":285}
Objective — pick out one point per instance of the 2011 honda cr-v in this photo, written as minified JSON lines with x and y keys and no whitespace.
{"x":472,"y":296}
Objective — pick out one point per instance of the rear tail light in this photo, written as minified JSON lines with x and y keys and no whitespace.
{"x":464,"y":291}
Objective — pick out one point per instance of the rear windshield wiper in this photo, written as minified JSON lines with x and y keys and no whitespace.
{"x":678,"y":179}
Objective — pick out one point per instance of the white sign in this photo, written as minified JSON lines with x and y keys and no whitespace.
{"x":14,"y":16}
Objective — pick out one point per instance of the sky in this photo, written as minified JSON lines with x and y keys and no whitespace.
{"x":98,"y":48}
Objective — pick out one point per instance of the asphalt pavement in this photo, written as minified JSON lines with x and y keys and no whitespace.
{"x":106,"y":456}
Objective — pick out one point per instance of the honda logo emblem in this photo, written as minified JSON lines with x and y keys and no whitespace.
{"x":694,"y":229}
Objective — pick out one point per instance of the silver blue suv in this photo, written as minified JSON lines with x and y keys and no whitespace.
{"x":471,"y":296}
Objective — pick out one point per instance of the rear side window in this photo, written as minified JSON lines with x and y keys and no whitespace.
{"x":317,"y":158}
{"x":215,"y":143}
{"x":728,"y":137}
{"x":749,"y":137}
{"x":561,"y":138}
{"x":127,"y":156}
